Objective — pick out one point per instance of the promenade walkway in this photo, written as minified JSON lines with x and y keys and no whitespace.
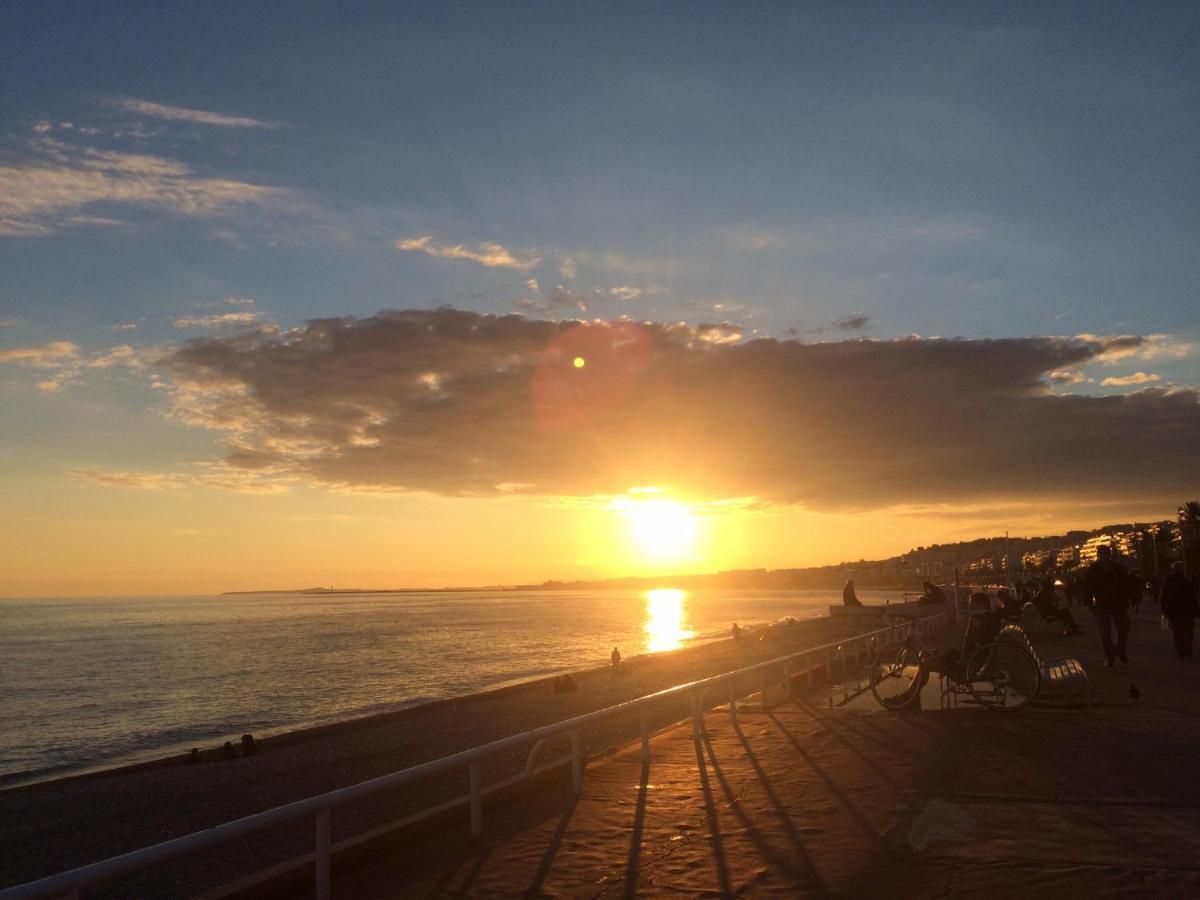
{"x":800,"y":799}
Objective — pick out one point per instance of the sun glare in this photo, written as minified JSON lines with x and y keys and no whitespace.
{"x":661,"y":530}
{"x":666,"y":625}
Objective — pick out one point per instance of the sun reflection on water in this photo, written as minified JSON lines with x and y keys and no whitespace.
{"x":666,"y":625}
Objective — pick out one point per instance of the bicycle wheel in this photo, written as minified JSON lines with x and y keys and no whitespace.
{"x":895,"y":675}
{"x":1002,"y":676}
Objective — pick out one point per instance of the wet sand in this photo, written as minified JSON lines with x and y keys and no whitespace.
{"x":53,"y":826}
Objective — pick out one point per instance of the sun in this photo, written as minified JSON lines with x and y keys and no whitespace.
{"x":660,"y":529}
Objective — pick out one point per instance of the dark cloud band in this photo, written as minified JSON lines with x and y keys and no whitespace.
{"x":458,"y":403}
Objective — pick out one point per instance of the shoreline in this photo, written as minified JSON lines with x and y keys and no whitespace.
{"x":286,"y":735}
{"x":60,"y":823}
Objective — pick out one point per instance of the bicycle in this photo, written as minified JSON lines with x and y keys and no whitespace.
{"x":997,"y":674}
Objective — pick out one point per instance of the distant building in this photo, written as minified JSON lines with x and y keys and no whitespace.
{"x":1038,"y":559}
{"x":1067,"y":557}
{"x":1123,"y":544}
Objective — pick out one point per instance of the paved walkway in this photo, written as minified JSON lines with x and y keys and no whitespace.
{"x":801,"y":799}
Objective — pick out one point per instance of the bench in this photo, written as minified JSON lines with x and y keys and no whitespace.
{"x":1033,"y":622}
{"x":1064,"y":681}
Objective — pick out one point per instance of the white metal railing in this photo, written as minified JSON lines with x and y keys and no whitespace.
{"x":321,"y":806}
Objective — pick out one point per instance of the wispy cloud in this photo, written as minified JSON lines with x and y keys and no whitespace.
{"x":853,"y":322}
{"x":1121,"y":347}
{"x":183,"y":114}
{"x":1135,"y":378}
{"x":44,"y":356}
{"x":55,"y":188}
{"x":486,"y":254}
{"x":146,"y":481}
{"x":1068,"y":376}
{"x":218,"y":475}
{"x":221,"y":320}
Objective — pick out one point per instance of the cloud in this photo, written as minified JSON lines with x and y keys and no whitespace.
{"x":1113,"y":349}
{"x":126,"y":326}
{"x":56,"y":188}
{"x":216,"y":475}
{"x":221,"y":320}
{"x":146,"y":481}
{"x":624,"y":292}
{"x":64,"y":360}
{"x":182,"y":114}
{"x":44,"y":356}
{"x":1135,"y":378}
{"x":720,"y":333}
{"x":1067,"y":376}
{"x":852,"y":322}
{"x":487,"y":254}
{"x":458,"y":403}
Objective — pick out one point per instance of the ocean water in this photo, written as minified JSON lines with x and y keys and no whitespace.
{"x":90,"y":683}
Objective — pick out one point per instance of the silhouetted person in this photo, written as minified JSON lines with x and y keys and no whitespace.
{"x":736,"y":631}
{"x":849,"y":597}
{"x":249,"y":748}
{"x":1178,"y":601}
{"x":1107,"y":585}
{"x":1009,"y":609}
{"x":616,"y":660}
{"x":933,"y":594}
{"x":1047,"y":604}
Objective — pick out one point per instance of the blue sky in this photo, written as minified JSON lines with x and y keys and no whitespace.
{"x":808,"y":172}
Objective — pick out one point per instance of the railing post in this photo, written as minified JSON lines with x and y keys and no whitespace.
{"x":322,"y":861}
{"x":576,"y":764}
{"x":476,"y":771}
{"x":644,"y":728}
{"x":733,"y":699}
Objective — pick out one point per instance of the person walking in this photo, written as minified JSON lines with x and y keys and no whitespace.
{"x":1107,"y":587}
{"x":616,"y":660}
{"x":1178,"y":601}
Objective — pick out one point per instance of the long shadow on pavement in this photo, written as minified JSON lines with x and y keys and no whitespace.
{"x":808,"y":875}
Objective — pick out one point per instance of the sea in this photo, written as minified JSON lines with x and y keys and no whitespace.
{"x":90,"y":683}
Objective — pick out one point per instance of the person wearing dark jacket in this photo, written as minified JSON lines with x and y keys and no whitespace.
{"x":1178,"y":601}
{"x":1107,"y":585}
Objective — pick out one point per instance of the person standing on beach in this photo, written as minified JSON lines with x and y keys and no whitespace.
{"x":1106,"y":585}
{"x":736,"y":631}
{"x":849,"y":597}
{"x":1178,"y":601}
{"x":616,"y":660}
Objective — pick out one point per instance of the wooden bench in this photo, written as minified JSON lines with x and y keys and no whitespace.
{"x":1064,"y":680}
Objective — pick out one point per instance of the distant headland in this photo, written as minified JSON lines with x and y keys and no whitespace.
{"x":1144,"y":544}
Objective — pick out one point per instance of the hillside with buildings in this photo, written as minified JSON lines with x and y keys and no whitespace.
{"x":1146,"y":548}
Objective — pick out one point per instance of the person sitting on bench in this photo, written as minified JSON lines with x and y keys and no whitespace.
{"x":1009,"y":607}
{"x":1046,"y":603}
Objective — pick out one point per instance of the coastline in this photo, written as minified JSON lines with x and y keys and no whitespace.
{"x":59,"y":823}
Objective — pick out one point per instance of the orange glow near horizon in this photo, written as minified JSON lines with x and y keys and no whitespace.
{"x":666,"y":624}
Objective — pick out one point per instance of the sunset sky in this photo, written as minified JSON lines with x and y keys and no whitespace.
{"x":457,"y":294}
